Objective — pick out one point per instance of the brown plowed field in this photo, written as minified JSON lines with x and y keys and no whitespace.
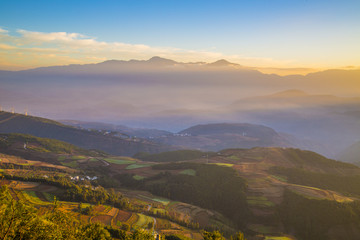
{"x":104,"y":219}
{"x":99,"y":208}
{"x":122,"y":216}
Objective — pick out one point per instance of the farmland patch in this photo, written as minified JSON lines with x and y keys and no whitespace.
{"x":135,"y":166}
{"x":190,"y":172}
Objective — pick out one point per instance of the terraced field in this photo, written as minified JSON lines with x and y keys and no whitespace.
{"x":122,"y":216}
{"x":104,"y":219}
{"x":133,"y":219}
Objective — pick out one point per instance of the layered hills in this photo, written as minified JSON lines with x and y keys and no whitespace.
{"x":284,"y":188}
{"x":214,"y":137}
{"x":41,"y":127}
{"x":208,"y":137}
{"x":125,"y":130}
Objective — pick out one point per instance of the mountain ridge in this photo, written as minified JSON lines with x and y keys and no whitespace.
{"x":165,"y":62}
{"x":40,"y":127}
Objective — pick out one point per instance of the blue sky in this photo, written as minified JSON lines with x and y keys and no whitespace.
{"x":270,"y":33}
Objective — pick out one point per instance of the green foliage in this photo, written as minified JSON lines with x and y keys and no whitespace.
{"x":123,"y":160}
{"x":141,"y":235}
{"x":190,"y":172}
{"x":72,"y":164}
{"x":138,"y":177}
{"x":95,"y":231}
{"x":22,"y":221}
{"x":238,"y":236}
{"x":125,"y":226}
{"x":259,"y":201}
{"x":134,"y":166}
{"x":215,"y":235}
{"x":117,"y":233}
{"x":89,"y":210}
{"x":78,"y":157}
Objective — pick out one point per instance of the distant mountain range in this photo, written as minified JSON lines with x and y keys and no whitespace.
{"x":119,"y":66}
{"x":164,"y":94}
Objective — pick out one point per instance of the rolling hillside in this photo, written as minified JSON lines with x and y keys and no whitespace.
{"x":264,"y":192}
{"x":282,"y":184}
{"x":41,"y":127}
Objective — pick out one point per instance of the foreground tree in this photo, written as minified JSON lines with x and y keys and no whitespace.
{"x":19,"y":220}
{"x":238,"y":236}
{"x":215,"y":235}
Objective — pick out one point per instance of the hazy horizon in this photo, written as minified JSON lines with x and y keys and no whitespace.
{"x":186,"y":84}
{"x":271,"y":35}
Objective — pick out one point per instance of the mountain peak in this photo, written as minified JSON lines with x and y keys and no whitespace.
{"x":161,"y":61}
{"x":221,"y":63}
{"x":111,"y":62}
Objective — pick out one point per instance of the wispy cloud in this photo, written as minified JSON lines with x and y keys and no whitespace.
{"x":36,"y":49}
{"x":3,"y":31}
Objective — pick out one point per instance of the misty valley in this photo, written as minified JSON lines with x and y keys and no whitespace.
{"x":160,"y":149}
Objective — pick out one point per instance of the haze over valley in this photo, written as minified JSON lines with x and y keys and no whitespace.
{"x":179,"y":120}
{"x":166,"y":95}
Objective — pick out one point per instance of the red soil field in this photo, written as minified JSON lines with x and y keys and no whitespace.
{"x":122,"y":216}
{"x":104,"y":219}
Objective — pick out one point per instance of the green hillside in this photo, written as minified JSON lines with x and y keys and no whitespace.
{"x":43,"y":144}
{"x":42,"y":149}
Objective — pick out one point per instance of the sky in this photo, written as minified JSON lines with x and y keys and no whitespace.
{"x":257,"y":33}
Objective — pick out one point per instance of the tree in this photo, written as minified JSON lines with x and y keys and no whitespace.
{"x":125,"y":226}
{"x":15,"y":216}
{"x":95,"y":231}
{"x":150,"y":225}
{"x":238,"y":236}
{"x":215,"y":235}
{"x":19,"y":220}
{"x":141,"y":235}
